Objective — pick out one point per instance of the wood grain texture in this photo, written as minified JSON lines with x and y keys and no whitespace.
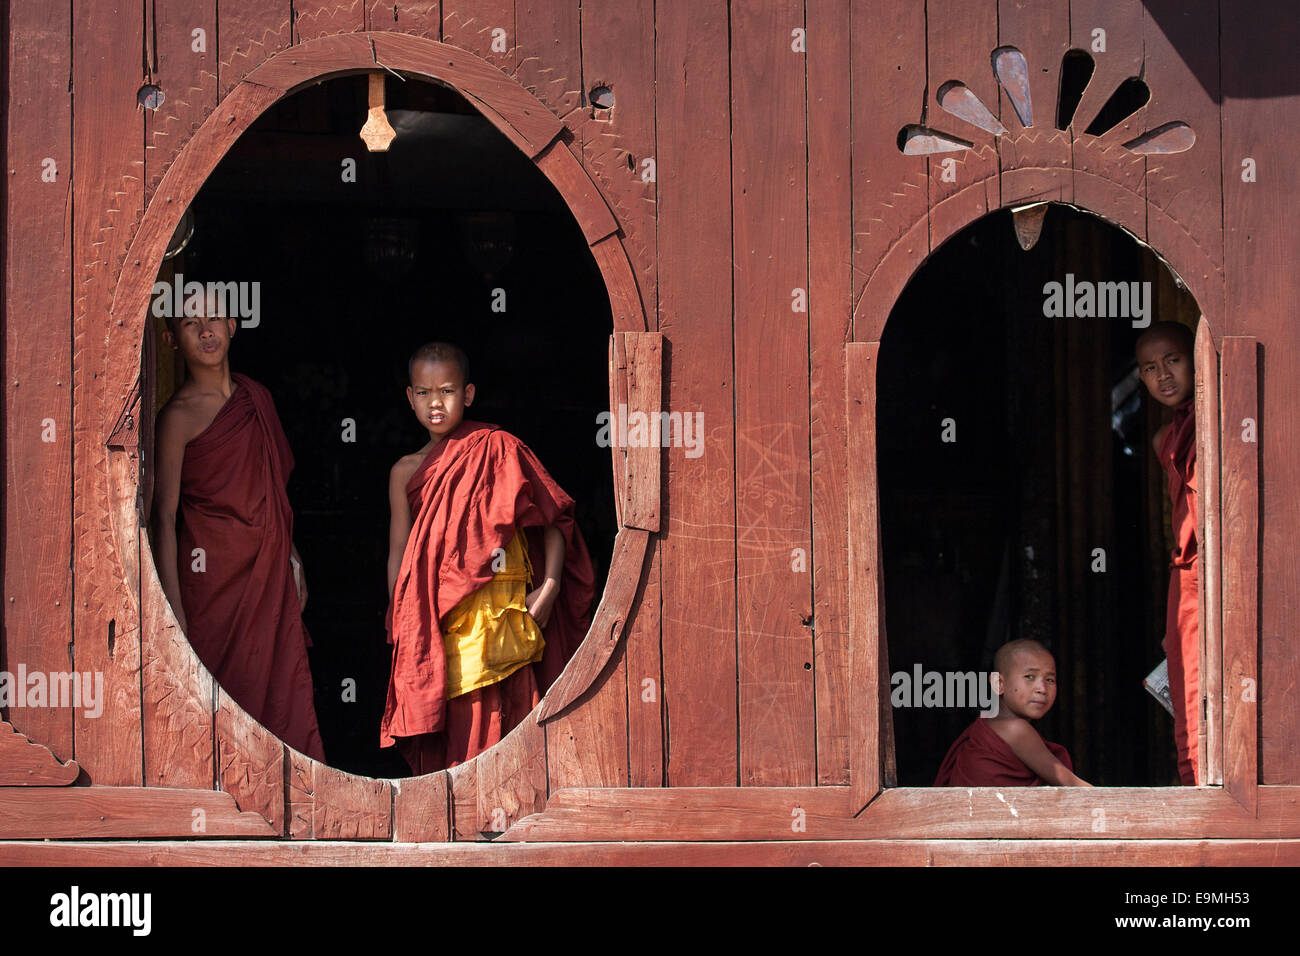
{"x":422,"y":809}
{"x":1186,"y":186}
{"x":470,"y":25}
{"x":27,"y":764}
{"x":830,"y":317}
{"x":187,"y":77}
{"x":1262,"y":284}
{"x":330,"y":804}
{"x":318,"y":18}
{"x":1208,"y":537}
{"x":769,"y":813}
{"x":178,"y":702}
{"x":1035,"y":161}
{"x":697,"y":552}
{"x":108,"y":165}
{"x":1240,"y":496}
{"x":618,"y":51}
{"x":960,"y":36}
{"x":511,"y":779}
{"x":606,"y":626}
{"x":250,"y":31}
{"x":37,"y":517}
{"x":890,"y":190}
{"x":250,"y":763}
{"x":773,"y":495}
{"x":549,"y":53}
{"x":643,"y":667}
{"x":584,"y":200}
{"x":420,"y":17}
{"x":89,"y":813}
{"x":586,"y":746}
{"x":645,"y":363}
{"x":616,"y":271}
{"x":884,"y":852}
{"x":866,"y":610}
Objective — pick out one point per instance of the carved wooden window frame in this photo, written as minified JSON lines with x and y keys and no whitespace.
{"x":635,"y":379}
{"x":1228,"y":522}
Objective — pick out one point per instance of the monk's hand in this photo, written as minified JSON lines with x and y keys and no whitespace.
{"x":540,"y":601}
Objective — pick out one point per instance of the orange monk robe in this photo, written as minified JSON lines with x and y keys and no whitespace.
{"x":240,"y":599}
{"x":980,"y":758}
{"x":468,"y":497}
{"x":1177,"y":454}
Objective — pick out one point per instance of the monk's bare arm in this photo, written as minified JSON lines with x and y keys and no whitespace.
{"x":1033,"y":753}
{"x":541,"y":599}
{"x":172,"y":434}
{"x":399,"y":520}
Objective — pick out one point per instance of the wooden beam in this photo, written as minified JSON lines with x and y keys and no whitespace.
{"x":88,"y":813}
{"x":866,"y":613}
{"x":891,"y":853}
{"x":1240,"y":516}
{"x":1208,"y":437}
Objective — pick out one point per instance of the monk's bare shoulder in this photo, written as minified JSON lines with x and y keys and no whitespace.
{"x":1013,"y":729}
{"x":405,"y":466}
{"x":182,"y":418}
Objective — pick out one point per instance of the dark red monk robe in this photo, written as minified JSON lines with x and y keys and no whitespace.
{"x":980,"y":758}
{"x":242,"y":608}
{"x":467,"y":498}
{"x":1177,"y":455}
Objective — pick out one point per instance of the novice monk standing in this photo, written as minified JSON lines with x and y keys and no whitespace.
{"x":473,"y":513}
{"x":228,"y":567}
{"x":1005,"y":750}
{"x":1165,"y":364}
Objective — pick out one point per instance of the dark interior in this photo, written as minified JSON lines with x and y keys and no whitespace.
{"x":992,"y":536}
{"x":354,"y":277}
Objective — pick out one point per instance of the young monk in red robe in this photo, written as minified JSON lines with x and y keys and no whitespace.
{"x":229,"y":566}
{"x":473,"y":513}
{"x":1165,"y":363}
{"x":1005,"y":750}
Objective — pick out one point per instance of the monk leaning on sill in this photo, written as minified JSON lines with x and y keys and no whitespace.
{"x":1005,"y":750}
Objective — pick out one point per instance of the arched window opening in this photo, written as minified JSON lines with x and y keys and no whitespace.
{"x":1019,"y":494}
{"x":357,"y":258}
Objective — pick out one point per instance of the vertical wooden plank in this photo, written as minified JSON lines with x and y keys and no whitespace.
{"x":1186,"y":186}
{"x":38,"y":367}
{"x":422,"y":809}
{"x":319,"y":18}
{"x":1035,"y":161}
{"x":177,"y":693}
{"x":697,"y":552}
{"x":644,"y":396}
{"x":511,"y":778}
{"x":108,"y":160}
{"x":960,"y":35}
{"x":185,"y":68}
{"x":1208,"y":432}
{"x":617,"y":401}
{"x":866,"y":610}
{"x":418,"y":17}
{"x":773,"y":494}
{"x":463,"y":782}
{"x":476,"y":25}
{"x":250,"y":31}
{"x":251,"y":767}
{"x":1241,"y":571}
{"x":830,"y":317}
{"x":1260,"y":180}
{"x":549,"y":52}
{"x":643,"y":667}
{"x":890,"y":190}
{"x":586,"y":746}
{"x":618,"y":39}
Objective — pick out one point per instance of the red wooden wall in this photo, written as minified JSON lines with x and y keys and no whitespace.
{"x":775,"y":172}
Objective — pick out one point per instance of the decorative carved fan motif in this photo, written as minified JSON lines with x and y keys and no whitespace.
{"x":1012,"y":73}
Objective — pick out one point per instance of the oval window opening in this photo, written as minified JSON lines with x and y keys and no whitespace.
{"x":342,"y":262}
{"x":1019,"y":493}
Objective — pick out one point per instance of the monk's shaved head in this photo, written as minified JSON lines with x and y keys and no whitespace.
{"x":440,"y":352}
{"x":1005,"y":658}
{"x":1180,"y":333}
